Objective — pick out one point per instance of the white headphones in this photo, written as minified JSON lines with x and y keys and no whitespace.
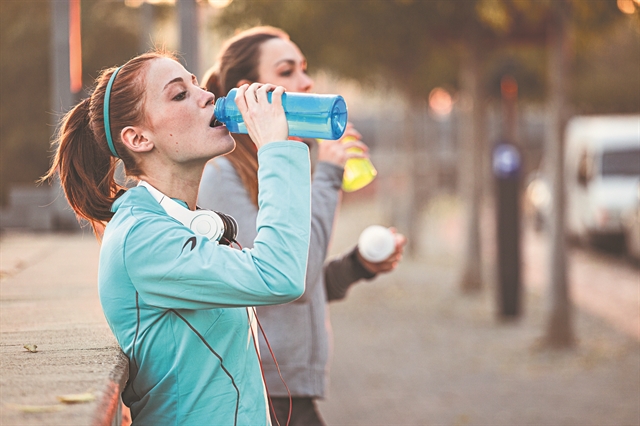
{"x":215,"y":226}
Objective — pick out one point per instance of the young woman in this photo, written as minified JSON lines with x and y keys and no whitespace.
{"x":175,"y":300}
{"x":298,"y":332}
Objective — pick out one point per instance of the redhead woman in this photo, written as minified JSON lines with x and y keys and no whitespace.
{"x":175,"y":297}
{"x":298,"y":332}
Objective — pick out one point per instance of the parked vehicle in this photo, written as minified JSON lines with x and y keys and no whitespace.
{"x":602,"y":171}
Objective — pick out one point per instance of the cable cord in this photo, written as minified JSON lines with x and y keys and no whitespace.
{"x":273,"y":356}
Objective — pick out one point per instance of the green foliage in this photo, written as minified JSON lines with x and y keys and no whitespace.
{"x":25,"y":111}
{"x":363,"y":39}
{"x":606,"y":72}
{"x":416,"y":45}
{"x":109,"y":37}
{"x":527,"y":66}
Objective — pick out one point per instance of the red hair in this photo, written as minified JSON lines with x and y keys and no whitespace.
{"x":238,"y":60}
{"x":82,"y":157}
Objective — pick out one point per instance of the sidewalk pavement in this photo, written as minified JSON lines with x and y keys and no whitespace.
{"x":409,"y":348}
{"x":49,"y":299}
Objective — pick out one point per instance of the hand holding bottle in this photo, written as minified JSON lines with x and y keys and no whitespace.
{"x":340,"y":151}
{"x":308,"y":115}
{"x":353,"y":156}
{"x":264,"y":118}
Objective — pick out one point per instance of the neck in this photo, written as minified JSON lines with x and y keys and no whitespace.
{"x":183,"y":186}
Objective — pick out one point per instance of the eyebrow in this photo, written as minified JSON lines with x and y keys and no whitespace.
{"x":177,"y":80}
{"x":288,"y":61}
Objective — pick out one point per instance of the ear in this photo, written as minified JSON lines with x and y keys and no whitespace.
{"x":135,"y":140}
{"x":243,"y":81}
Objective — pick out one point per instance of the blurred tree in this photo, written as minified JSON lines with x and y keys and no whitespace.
{"x":605,"y":72}
{"x":417,"y":45}
{"x":24,"y":94}
{"x":559,"y":330}
{"x":25,"y":111}
{"x":110,"y":35}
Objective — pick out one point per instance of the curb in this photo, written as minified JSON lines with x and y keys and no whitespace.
{"x":110,"y":407}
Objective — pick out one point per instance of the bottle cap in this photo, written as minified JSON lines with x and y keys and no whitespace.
{"x":376,"y":243}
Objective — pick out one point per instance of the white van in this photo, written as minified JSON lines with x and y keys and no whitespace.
{"x":602,"y":171}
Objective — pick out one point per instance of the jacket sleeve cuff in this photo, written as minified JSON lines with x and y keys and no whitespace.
{"x":341,"y":273}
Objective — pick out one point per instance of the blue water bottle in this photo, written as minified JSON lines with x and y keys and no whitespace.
{"x":309,"y":115}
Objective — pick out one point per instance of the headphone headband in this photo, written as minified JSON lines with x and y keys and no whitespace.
{"x":107,"y":125}
{"x":215,"y":226}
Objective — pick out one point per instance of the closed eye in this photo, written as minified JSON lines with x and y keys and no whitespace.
{"x":180,"y":96}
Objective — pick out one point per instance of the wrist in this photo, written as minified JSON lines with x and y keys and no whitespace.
{"x":361,"y":264}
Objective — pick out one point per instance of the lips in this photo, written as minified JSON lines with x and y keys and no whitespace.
{"x":215,"y":123}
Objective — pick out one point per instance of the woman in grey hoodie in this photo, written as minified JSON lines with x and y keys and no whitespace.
{"x":298,"y":332}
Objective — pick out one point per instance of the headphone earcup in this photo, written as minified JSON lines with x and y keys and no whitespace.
{"x":208,"y":224}
{"x":214,"y":226}
{"x":230,"y":229}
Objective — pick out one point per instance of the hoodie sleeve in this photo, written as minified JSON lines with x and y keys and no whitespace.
{"x":171,"y":267}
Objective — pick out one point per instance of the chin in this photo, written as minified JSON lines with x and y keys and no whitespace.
{"x":226,"y":145}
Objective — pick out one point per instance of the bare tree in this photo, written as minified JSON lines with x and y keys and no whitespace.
{"x":559,"y":330}
{"x":471,"y":163}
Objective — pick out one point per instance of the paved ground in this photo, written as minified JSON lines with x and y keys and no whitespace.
{"x":49,"y":298}
{"x":409,"y":348}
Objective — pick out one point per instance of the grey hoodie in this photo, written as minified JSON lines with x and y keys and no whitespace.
{"x":298,"y":332}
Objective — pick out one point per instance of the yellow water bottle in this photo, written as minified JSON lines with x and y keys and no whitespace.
{"x":358,"y":172}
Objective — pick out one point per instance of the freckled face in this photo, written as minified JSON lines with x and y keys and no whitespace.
{"x":178,"y":113}
{"x":282,"y":63}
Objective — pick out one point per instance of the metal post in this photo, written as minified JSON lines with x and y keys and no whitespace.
{"x":188,"y":21}
{"x":146,"y":26}
{"x":61,"y":96}
{"x":507,"y":165}
{"x":62,"y":99}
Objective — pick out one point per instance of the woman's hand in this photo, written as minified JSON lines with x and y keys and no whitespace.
{"x":390,"y":263}
{"x":339,"y":151}
{"x":265,"y":121}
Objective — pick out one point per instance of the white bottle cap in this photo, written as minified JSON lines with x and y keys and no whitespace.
{"x":376,"y":243}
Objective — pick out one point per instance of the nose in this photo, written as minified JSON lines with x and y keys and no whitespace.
{"x":306,"y":83}
{"x":207,"y":98}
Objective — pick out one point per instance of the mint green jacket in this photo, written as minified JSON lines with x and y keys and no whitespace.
{"x":177,"y":303}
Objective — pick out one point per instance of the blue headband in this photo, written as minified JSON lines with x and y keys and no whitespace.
{"x":107,"y":128}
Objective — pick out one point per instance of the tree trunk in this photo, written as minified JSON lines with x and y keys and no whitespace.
{"x":472,"y":160}
{"x":410,"y":204}
{"x":559,"y":331}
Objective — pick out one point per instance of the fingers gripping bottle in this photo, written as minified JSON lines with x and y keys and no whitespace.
{"x":358,"y":172}
{"x":309,"y":115}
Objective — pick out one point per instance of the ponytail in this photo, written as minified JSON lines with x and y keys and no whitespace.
{"x":86,"y":170}
{"x":83,"y":157}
